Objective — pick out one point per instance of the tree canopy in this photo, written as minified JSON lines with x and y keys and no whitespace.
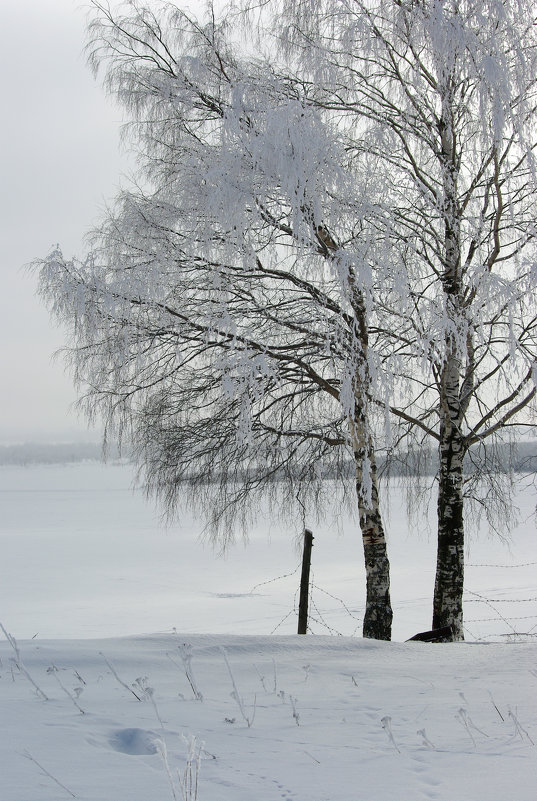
{"x":330,"y":248}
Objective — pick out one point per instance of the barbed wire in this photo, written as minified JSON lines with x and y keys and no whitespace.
{"x":490,"y":619}
{"x":506,"y":634}
{"x":533,"y":627}
{"x":292,"y":612}
{"x":317,"y":617}
{"x":489,"y":603}
{"x":340,"y":600}
{"x":484,"y":600}
{"x":271,"y":581}
{"x":523,"y":564}
{"x":321,"y":621}
{"x":467,"y":630}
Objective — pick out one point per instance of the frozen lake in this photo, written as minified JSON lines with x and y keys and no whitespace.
{"x":84,"y":555}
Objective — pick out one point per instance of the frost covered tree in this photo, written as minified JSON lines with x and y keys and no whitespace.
{"x":441,"y":96}
{"x":223,"y":315}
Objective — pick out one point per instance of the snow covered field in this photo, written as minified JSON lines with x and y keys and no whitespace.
{"x":85,"y":562}
{"x":85,"y":556}
{"x":442,"y":705}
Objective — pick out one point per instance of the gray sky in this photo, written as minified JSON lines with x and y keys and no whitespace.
{"x":60,"y":160}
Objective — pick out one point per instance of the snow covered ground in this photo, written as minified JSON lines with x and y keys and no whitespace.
{"x":376,"y":721}
{"x":85,"y":562}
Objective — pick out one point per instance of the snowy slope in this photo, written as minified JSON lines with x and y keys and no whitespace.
{"x":376,"y":721}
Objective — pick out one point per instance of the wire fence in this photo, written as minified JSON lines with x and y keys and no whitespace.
{"x":505,"y":614}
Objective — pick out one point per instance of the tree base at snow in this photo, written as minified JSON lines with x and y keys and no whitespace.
{"x":444,"y":634}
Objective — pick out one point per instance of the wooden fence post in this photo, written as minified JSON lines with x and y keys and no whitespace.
{"x":305,"y":583}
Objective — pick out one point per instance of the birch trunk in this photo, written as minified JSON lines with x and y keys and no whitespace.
{"x":449,"y":582}
{"x":378,"y":611}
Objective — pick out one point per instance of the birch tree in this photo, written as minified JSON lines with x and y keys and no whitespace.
{"x":222,"y":315}
{"x":441,"y":94}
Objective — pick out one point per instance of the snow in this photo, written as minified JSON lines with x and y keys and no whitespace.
{"x":80,"y":532}
{"x":344,"y":689}
{"x":86,"y":562}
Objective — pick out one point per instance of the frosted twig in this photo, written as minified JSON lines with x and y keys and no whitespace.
{"x":190,"y":778}
{"x":186,"y":655}
{"x":518,"y":728}
{"x":261,"y":678}
{"x":54,"y":671}
{"x":117,"y":677}
{"x":296,"y":716}
{"x":495,"y":707}
{"x":79,"y":677}
{"x":188,"y":782}
{"x":425,"y":740}
{"x":20,"y":664}
{"x":235,"y":694}
{"x":149,"y":693}
{"x":47,"y":773}
{"x":160,"y":745}
{"x":464,"y":718}
{"x":474,"y":727}
{"x":177,"y":665}
{"x":386,"y":723}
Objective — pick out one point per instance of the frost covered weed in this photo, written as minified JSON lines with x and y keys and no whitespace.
{"x":187,"y":784}
{"x":386,"y":723}
{"x":438,"y":749}
{"x":163,"y":753}
{"x":186,"y":656}
{"x":120,"y":681}
{"x":190,"y":778}
{"x":465,"y":720}
{"x":261,"y":678}
{"x":17,"y":661}
{"x":248,"y":719}
{"x":296,"y":716}
{"x":149,"y":694}
{"x":73,"y":696}
{"x":425,"y":740}
{"x":29,"y":756}
{"x":519,"y":730}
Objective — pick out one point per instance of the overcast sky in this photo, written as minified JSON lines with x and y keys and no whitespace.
{"x":60,"y":160}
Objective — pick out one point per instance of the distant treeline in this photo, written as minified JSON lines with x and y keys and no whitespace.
{"x":521,"y":458}
{"x":29,"y":453}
